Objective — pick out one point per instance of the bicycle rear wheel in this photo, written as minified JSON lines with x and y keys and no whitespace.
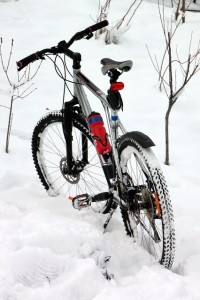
{"x":149,"y":219}
{"x":49,"y":156}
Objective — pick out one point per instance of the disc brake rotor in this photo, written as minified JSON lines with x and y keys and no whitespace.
{"x":71,"y":178}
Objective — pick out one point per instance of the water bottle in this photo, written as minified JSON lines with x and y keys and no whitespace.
{"x":99,"y":133}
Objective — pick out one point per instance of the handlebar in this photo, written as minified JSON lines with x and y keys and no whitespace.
{"x":63,"y":46}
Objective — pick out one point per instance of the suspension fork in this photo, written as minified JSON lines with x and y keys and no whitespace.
{"x":67,"y":123}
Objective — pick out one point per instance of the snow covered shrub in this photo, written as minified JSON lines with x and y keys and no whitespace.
{"x":113,"y":33}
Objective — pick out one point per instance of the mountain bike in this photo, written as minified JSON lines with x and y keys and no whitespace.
{"x":102,"y":166}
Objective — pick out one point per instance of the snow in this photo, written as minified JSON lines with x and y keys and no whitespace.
{"x":48,"y":250}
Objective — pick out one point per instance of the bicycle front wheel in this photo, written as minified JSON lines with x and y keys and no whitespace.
{"x":49,"y":155}
{"x":149,"y":219}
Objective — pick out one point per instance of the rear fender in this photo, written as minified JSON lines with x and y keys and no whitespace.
{"x":142,"y":139}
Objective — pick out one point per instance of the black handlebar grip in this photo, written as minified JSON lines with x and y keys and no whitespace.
{"x":27,"y":60}
{"x":97,"y":26}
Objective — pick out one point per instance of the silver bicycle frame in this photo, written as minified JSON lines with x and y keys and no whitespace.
{"x":112,"y":118}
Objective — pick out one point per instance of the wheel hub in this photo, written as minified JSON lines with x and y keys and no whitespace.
{"x":147,"y":198}
{"x":73,"y":175}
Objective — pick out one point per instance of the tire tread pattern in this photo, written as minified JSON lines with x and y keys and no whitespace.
{"x":164,"y":200}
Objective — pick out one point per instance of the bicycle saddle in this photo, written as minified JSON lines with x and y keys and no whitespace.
{"x":109,"y":64}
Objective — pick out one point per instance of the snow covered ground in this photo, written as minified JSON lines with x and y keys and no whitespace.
{"x":48,"y":250}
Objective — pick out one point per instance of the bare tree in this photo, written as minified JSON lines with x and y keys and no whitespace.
{"x":114,"y":31}
{"x":174,"y":74}
{"x":18,"y":89}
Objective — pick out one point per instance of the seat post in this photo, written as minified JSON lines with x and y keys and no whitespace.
{"x":114,"y":75}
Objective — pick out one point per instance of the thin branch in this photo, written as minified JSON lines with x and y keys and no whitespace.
{"x":26,"y":90}
{"x":2,"y":62}
{"x":166,"y":92}
{"x":34,"y":74}
{"x":10,"y":54}
{"x":122,"y":19}
{"x":181,"y":64}
{"x":4,"y":106}
{"x":1,"y":56}
{"x":134,"y":12}
{"x":28,"y":94}
{"x":155,"y":67}
{"x":198,"y":52}
{"x":170,"y":65}
{"x":187,"y":70}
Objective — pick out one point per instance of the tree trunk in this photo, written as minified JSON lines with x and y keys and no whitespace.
{"x":9,"y":125}
{"x":177,"y":10}
{"x":183,"y":11}
{"x":167,"y":134}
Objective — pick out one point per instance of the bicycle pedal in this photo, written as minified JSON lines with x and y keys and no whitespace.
{"x":81,"y":201}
